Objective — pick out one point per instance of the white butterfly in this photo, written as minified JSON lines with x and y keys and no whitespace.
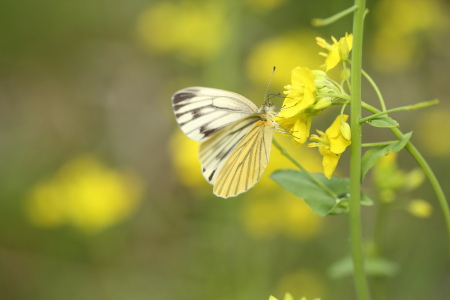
{"x":236,"y":136}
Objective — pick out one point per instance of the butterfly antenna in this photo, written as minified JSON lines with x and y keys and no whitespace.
{"x":270,"y":81}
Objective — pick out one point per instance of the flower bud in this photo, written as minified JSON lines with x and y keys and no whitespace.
{"x":343,"y":49}
{"x":346,"y":131}
{"x":322,"y":103}
{"x":319,"y":73}
{"x":345,"y":74}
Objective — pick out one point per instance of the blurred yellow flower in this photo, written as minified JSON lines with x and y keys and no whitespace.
{"x":185,"y":28}
{"x":420,"y":208}
{"x":304,"y":282}
{"x":390,"y":179}
{"x":337,"y":52}
{"x":396,"y":44}
{"x":286,"y":51}
{"x":187,"y":166}
{"x":287,"y":296}
{"x":332,"y":143}
{"x":280,"y":213}
{"x":84,"y":194}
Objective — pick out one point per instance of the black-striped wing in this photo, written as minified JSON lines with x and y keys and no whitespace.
{"x":220,"y":145}
{"x":201,"y":111}
{"x":245,"y":165}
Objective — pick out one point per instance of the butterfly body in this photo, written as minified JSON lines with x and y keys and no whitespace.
{"x":236,"y":136}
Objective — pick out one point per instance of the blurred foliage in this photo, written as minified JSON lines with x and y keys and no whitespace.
{"x":133,"y":219}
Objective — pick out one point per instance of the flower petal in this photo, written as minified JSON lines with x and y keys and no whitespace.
{"x":329,"y":162}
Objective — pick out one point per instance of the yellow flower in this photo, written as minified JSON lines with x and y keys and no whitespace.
{"x":298,"y":126}
{"x":337,"y":52}
{"x":84,"y":194}
{"x":310,"y":92}
{"x":300,"y":93}
{"x":332,"y":143}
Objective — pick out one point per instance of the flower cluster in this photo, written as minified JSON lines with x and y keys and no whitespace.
{"x":312,"y":91}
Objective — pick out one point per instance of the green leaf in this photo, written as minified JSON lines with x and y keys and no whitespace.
{"x":374,"y":266}
{"x":373,"y":155}
{"x":317,"y":198}
{"x":383,"y":121}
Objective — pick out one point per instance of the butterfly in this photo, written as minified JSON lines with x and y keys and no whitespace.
{"x":235,"y":135}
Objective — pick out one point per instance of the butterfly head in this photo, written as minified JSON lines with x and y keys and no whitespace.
{"x":267,"y":108}
{"x":268,"y":113}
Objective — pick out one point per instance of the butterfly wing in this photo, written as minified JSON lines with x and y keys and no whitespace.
{"x":201,"y":112}
{"x":246,"y":163}
{"x":215,"y":151}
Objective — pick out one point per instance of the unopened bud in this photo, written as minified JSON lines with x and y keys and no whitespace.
{"x":346,"y":131}
{"x":343,"y":49}
{"x":322,"y":103}
{"x":345,"y":74}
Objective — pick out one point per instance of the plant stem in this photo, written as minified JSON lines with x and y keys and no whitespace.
{"x":400,"y":108}
{"x":376,"y":89}
{"x":334,"y":18}
{"x":365,"y":145}
{"x":361,"y":285}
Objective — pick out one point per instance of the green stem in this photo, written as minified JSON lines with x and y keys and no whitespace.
{"x":427,"y":170}
{"x":401,"y":108}
{"x":303,"y":169}
{"x":361,"y":285}
{"x":334,"y":18}
{"x":332,"y":95}
{"x":431,"y":177}
{"x":365,"y":145}
{"x":376,"y":89}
